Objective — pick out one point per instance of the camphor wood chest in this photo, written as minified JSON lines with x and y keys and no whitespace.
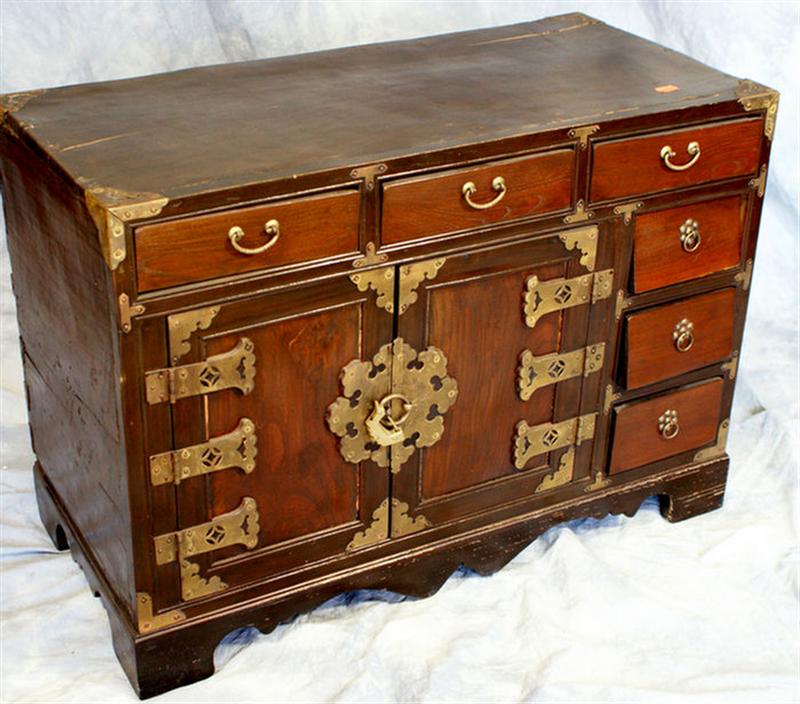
{"x":353,"y":319}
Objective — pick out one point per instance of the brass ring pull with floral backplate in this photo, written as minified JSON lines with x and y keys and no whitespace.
{"x":469,"y":189}
{"x":690,"y":235}
{"x":381,"y":426}
{"x":683,"y":335}
{"x":272,"y":229}
{"x":668,"y":424}
{"x":667,"y":153}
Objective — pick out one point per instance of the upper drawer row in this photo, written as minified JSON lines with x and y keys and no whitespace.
{"x":314,"y":228}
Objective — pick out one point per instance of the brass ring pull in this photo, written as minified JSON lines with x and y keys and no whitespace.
{"x":469,"y":189}
{"x":272,"y":229}
{"x":384,"y":429}
{"x":667,"y":153}
{"x":690,"y":235}
{"x":683,"y":335}
{"x":668,"y":424}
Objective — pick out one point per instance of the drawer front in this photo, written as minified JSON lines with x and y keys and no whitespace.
{"x":627,"y":167}
{"x":434,"y":204}
{"x":686,"y":243}
{"x":200,"y":248}
{"x":675,"y":338}
{"x":651,"y":430}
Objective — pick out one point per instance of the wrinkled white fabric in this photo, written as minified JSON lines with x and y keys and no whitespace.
{"x":616,"y":610}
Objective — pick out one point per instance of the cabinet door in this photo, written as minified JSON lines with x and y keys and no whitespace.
{"x":273,"y":492}
{"x":519,"y":427}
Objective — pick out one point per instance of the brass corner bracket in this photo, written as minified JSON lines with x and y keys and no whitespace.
{"x":110,"y":209}
{"x":11,"y":102}
{"x":580,"y":214}
{"x":743,"y":277}
{"x":759,"y":183}
{"x":718,"y":448}
{"x":127,"y":312}
{"x":753,"y":96}
{"x":410,"y":277}
{"x":370,"y":257}
{"x":582,"y":134}
{"x":180,"y":327}
{"x":147,"y":621}
{"x":627,"y":210}
{"x":369,"y":174}
{"x":390,"y":519}
{"x":585,"y":240}
{"x":730,"y":367}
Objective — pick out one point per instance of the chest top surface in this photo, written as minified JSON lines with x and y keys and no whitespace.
{"x":204,"y":129}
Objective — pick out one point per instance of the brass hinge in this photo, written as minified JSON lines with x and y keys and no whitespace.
{"x":582,"y":134}
{"x":180,"y":327}
{"x":585,"y":239}
{"x":110,"y":209}
{"x":237,"y":527}
{"x":759,"y":184}
{"x":536,"y":440}
{"x":753,"y":96}
{"x":627,"y":210}
{"x":382,"y":282}
{"x":235,"y":449}
{"x":718,"y":448}
{"x":127,"y":311}
{"x":543,"y":297}
{"x":580,"y":214}
{"x":235,"y":369}
{"x":147,"y":621}
{"x":535,"y":372}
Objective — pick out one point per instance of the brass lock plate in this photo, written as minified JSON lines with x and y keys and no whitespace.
{"x":543,"y":297}
{"x":392,"y":405}
{"x":235,"y":369}
{"x":531,"y":441}
{"x":535,"y":372}
{"x":235,"y":449}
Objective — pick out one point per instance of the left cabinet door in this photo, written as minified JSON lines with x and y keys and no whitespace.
{"x":260,"y":486}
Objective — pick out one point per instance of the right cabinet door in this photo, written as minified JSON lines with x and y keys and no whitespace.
{"x":521,"y":326}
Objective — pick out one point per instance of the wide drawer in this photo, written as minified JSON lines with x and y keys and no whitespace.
{"x":269,"y":235}
{"x":679,"y":244}
{"x":500,"y":192}
{"x":627,"y":167}
{"x":678,"y":337}
{"x":660,"y":427}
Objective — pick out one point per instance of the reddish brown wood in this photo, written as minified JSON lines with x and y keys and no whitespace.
{"x":434,"y":204}
{"x":660,"y":260}
{"x":651,"y":351}
{"x":196,"y":249}
{"x":637,"y":439}
{"x":628,"y":167}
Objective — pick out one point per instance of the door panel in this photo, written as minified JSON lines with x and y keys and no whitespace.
{"x":310,"y":501}
{"x":473,"y":312}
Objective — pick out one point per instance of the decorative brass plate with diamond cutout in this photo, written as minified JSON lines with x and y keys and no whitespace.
{"x":235,"y":369}
{"x":535,"y":372}
{"x":235,"y":449}
{"x":543,"y":297}
{"x":237,"y":527}
{"x":536,"y":440}
{"x":392,"y":405}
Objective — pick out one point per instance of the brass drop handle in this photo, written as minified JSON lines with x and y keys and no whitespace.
{"x":668,"y":424}
{"x":668,"y":153}
{"x":272,"y":229}
{"x":381,"y":426}
{"x":690,"y":235}
{"x":683,"y":335}
{"x":469,"y":189}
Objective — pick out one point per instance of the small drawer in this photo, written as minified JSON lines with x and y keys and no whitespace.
{"x":660,"y":427}
{"x":628,"y":167}
{"x":686,"y":243}
{"x":270,"y":235}
{"x":678,"y":337}
{"x":469,"y":198}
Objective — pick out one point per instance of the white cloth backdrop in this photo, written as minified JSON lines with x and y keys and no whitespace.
{"x":613,"y":610}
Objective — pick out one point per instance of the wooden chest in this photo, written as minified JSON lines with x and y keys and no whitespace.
{"x":352,"y":319}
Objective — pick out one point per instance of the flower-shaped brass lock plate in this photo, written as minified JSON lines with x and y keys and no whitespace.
{"x":392,"y":405}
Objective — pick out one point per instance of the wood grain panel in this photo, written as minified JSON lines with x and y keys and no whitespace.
{"x":637,"y":440}
{"x":300,"y":482}
{"x":198,"y":248}
{"x":660,"y":260}
{"x":650,"y":346}
{"x":627,"y":167}
{"x":433,"y":204}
